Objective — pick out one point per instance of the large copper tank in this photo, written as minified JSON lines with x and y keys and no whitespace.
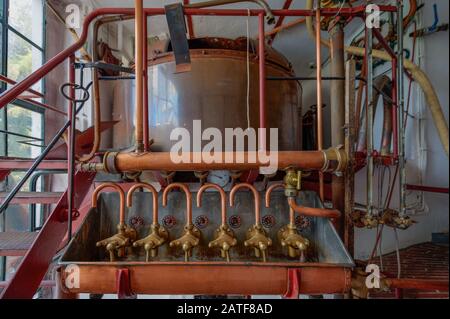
{"x":215,"y":91}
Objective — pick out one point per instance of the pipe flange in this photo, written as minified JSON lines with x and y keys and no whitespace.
{"x":109,"y":162}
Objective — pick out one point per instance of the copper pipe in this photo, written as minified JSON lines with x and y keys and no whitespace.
{"x":420,"y":284}
{"x":269,"y":192}
{"x":285,"y":27}
{"x":214,"y":3}
{"x":262,"y":84}
{"x":121,"y":194}
{"x":319,"y":97}
{"x":186,"y":191}
{"x":154,"y":194}
{"x":223,"y":198}
{"x":328,"y":160}
{"x":145,"y":111}
{"x":255,"y":195}
{"x":139,"y":48}
{"x":313,"y":212}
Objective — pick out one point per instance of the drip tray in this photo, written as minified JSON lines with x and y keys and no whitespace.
{"x":327,"y":268}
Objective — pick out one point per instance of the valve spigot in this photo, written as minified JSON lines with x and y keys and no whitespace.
{"x":225,"y":239}
{"x":189,"y":240}
{"x":125,"y":235}
{"x":257,"y":239}
{"x":158,"y":236}
{"x":297,"y":245}
{"x":120,"y":241}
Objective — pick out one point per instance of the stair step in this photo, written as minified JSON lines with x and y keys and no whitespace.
{"x":34,"y":197}
{"x":16,"y":243}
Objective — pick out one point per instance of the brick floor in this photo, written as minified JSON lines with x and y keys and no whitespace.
{"x":422,"y":261}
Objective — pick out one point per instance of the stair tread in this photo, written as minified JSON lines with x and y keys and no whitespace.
{"x":16,"y":243}
{"x":33,"y":197}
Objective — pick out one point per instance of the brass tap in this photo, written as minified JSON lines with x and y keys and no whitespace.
{"x":125,"y":235}
{"x":292,"y":181}
{"x":158,"y":234}
{"x":297,"y":245}
{"x":224,"y":238}
{"x":258,"y":240}
{"x":120,"y":241}
{"x":393,"y":219}
{"x":191,"y":235}
{"x":256,"y":236}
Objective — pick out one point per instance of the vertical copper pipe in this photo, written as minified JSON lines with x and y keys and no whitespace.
{"x":319,"y":96}
{"x":269,"y":192}
{"x":139,"y":48}
{"x":145,"y":112}
{"x":154,"y":194}
{"x":262,"y":83}
{"x":223,"y":198}
{"x":337,"y":106}
{"x":121,"y":194}
{"x":186,"y":191}
{"x":255,"y":195}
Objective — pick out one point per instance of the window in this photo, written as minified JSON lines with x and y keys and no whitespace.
{"x":21,"y":123}
{"x":22,"y":52}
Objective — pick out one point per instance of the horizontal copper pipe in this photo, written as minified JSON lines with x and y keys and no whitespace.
{"x":213,"y":279}
{"x":154,"y":194}
{"x":329,"y":160}
{"x":121,"y":194}
{"x":421,"y":284}
{"x":313,"y":212}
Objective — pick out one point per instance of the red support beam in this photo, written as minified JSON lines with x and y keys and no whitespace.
{"x":190,"y":22}
{"x":287,"y":5}
{"x":34,"y":265}
{"x":11,"y":164}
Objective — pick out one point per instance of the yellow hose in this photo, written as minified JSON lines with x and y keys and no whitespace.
{"x":418,"y":75}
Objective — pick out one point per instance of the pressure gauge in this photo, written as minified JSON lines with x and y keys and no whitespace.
{"x":221,"y":178}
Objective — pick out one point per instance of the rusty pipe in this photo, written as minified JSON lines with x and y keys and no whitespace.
{"x":269,"y":192}
{"x":313,"y":212}
{"x":121,"y":194}
{"x":223,"y":198}
{"x":255,"y":195}
{"x":186,"y":191}
{"x":382,"y":84}
{"x":154,"y":194}
{"x":214,"y":3}
{"x":319,"y":97}
{"x":420,"y":284}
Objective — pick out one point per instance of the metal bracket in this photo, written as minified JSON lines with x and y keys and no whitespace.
{"x":123,"y":284}
{"x":178,"y":36}
{"x":293,"y":288}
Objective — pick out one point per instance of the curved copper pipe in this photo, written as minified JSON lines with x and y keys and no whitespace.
{"x":155,"y":198}
{"x":185,"y":189}
{"x":121,"y":194}
{"x":223,"y":198}
{"x":269,"y":192}
{"x":313,"y":212}
{"x":255,"y":195}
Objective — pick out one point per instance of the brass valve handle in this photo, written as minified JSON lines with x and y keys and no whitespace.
{"x":189,"y":240}
{"x":157,"y":237}
{"x":258,"y":239}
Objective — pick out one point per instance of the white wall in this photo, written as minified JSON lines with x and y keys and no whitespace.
{"x":435,"y":62}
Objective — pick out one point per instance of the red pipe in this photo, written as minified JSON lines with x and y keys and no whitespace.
{"x":286,"y":6}
{"x":262,"y":84}
{"x":145,"y":112}
{"x":419,"y":284}
{"x":190,"y":22}
{"x":429,"y":189}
